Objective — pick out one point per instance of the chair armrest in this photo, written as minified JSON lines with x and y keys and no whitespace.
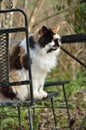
{"x":55,"y":83}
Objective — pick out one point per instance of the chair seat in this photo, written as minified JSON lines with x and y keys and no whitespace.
{"x":28,"y":103}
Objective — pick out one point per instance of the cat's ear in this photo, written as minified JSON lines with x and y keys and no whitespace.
{"x":40,"y":32}
{"x":56,"y":28}
{"x":43,"y":30}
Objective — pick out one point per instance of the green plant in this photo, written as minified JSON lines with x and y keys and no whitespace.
{"x":6,"y":123}
{"x":80,"y":17}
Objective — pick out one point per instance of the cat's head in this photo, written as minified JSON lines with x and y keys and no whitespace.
{"x":48,"y":38}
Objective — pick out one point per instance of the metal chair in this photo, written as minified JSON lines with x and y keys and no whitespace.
{"x":4,"y":69}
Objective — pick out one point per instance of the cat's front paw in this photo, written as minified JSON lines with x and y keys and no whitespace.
{"x":43,"y":93}
{"x":37,"y":96}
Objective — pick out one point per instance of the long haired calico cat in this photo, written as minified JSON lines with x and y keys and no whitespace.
{"x":44,"y":49}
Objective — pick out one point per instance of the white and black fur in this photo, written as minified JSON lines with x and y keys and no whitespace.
{"x":44,"y":49}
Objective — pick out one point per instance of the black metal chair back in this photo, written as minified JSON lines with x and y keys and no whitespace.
{"x":4,"y":72}
{"x":4,"y":52}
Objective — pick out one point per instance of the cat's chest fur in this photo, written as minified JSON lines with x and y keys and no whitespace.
{"x":42,"y":61}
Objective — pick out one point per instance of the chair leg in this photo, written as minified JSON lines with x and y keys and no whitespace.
{"x":19,"y":118}
{"x":30,"y":118}
{"x":67,"y":108}
{"x":53,"y":109}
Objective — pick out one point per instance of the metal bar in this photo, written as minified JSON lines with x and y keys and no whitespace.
{"x":54,"y":83}
{"x":30,"y":118}
{"x":19,"y":117}
{"x":6,"y":84}
{"x":73,"y":57}
{"x":7,"y":55}
{"x":34,"y":111}
{"x":48,"y":107}
{"x":13,"y":30}
{"x":4,"y":74}
{"x":66,"y":103}
{"x":29,"y":66}
{"x":73,"y":38}
{"x":53,"y":109}
{"x":7,"y":104}
{"x":16,"y":10}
